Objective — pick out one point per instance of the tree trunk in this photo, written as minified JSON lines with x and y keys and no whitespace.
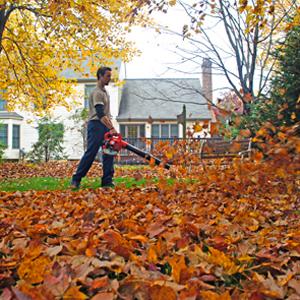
{"x":46,"y":153}
{"x":2,"y":25}
{"x":4,"y":15}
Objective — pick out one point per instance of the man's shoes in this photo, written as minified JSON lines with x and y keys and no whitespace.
{"x":75,"y":185}
{"x":108,"y":186}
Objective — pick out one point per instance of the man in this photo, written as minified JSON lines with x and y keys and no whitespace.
{"x":98,"y":124}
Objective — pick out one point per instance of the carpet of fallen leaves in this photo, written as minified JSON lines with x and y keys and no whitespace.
{"x":233,"y":232}
{"x":58,"y":169}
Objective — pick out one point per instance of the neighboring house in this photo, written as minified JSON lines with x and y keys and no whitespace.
{"x":149,"y":107}
{"x":141,"y":108}
{"x":10,"y":130}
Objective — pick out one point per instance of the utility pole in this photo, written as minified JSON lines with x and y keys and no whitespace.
{"x":184,"y":121}
{"x":181,"y":119}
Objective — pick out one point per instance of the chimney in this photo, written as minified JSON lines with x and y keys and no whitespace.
{"x":207,"y":79}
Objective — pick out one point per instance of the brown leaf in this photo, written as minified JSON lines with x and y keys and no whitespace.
{"x":34,"y":271}
{"x":100,"y":282}
{"x":6,"y":294}
{"x":19,"y":295}
{"x":52,"y":251}
{"x":155,"y":229}
{"x":209,"y":295}
{"x":295,"y":284}
{"x":57,"y":285}
{"x":74,"y":293}
{"x":178,"y":264}
{"x":272,"y":289}
{"x":152,"y":255}
{"x":89,"y":252}
{"x":112,"y":237}
{"x":158,"y":292}
{"x":103,"y":296}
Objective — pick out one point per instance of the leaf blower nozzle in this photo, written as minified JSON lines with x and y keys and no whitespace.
{"x":113,"y":143}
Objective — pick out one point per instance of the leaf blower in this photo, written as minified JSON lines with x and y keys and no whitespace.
{"x":113,"y":143}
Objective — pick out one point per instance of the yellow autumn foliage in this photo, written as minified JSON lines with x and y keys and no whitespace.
{"x":40,"y":39}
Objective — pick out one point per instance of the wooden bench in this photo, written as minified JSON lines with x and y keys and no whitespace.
{"x":221,"y":148}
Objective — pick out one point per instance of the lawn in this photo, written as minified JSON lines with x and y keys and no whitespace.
{"x":52,"y":183}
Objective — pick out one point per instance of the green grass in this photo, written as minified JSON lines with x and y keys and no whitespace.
{"x":51,"y":183}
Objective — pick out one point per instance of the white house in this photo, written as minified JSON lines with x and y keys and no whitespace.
{"x":18,"y":129}
{"x":141,"y":108}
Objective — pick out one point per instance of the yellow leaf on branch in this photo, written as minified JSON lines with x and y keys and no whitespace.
{"x":41,"y":39}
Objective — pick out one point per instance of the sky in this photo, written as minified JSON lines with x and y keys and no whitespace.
{"x":157,"y":48}
{"x":159,"y":51}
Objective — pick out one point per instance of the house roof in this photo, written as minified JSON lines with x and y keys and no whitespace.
{"x":162,"y":99}
{"x":10,"y":115}
{"x":87,"y":75}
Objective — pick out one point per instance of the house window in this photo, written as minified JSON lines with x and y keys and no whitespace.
{"x":88,"y":88}
{"x":155,"y":131}
{"x":3,"y":105}
{"x":133,"y":133}
{"x":16,"y":137}
{"x":174,"y":130}
{"x":164,"y":130}
{"x":142,"y":130}
{"x":4,"y":134}
{"x":132,"y":130}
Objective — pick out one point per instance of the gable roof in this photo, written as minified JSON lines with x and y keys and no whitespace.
{"x":162,"y":99}
{"x":87,"y":75}
{"x":10,"y":115}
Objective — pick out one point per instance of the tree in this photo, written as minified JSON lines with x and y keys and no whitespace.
{"x":3,"y":146}
{"x":286,"y":81}
{"x":2,"y":149}
{"x":50,"y":142}
{"x":282,"y":107}
{"x":39,"y":39}
{"x":249,"y":30}
{"x":80,"y":118}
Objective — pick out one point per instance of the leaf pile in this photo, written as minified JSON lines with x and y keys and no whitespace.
{"x":57,"y":169}
{"x":230,"y":233}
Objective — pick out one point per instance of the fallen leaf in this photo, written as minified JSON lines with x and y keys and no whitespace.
{"x":52,"y":251}
{"x":74,"y":293}
{"x":158,"y":292}
{"x":103,"y":296}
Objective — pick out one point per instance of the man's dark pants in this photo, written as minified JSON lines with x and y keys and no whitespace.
{"x":95,"y":137}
